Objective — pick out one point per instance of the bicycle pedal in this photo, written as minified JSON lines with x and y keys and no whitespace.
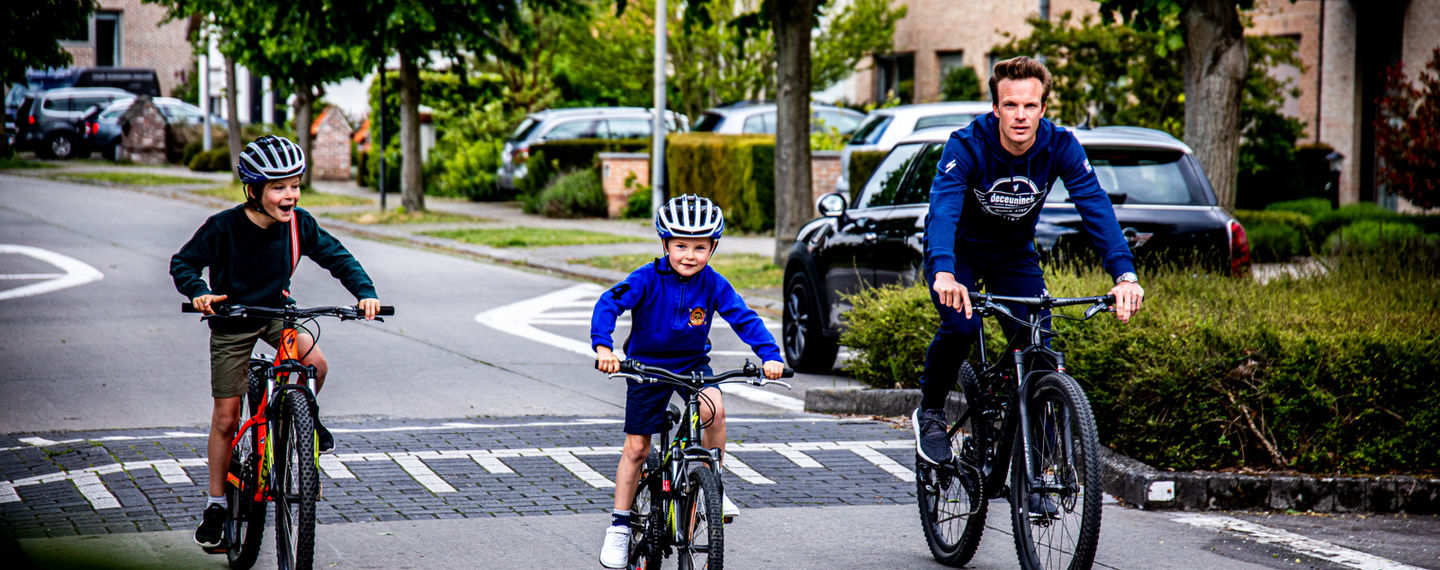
{"x":727,"y":519}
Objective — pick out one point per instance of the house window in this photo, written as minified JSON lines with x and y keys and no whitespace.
{"x":950,"y":60}
{"x":107,"y":39}
{"x":895,"y":76}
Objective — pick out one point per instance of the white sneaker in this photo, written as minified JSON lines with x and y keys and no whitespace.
{"x":728,"y":509}
{"x":616,"y":550}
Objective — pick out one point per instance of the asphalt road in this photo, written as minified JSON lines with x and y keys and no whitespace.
{"x":473,"y":432}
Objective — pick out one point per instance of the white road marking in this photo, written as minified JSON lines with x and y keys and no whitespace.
{"x":581,"y":470}
{"x":520,"y":319}
{"x":334,"y":468}
{"x":94,"y":490}
{"x":740,"y":469}
{"x":171,"y":472}
{"x":421,"y":472}
{"x":1289,"y":540}
{"x":76,"y":272}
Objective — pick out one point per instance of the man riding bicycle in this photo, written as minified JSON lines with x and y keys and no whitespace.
{"x":989,"y":187}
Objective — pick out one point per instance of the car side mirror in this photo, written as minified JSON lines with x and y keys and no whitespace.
{"x":832,"y":205}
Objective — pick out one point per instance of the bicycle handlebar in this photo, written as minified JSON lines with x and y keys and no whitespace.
{"x":233,"y":311}
{"x":750,"y":374}
{"x":1043,"y":301}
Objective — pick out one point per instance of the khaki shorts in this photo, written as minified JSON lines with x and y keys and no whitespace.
{"x":230,"y":355}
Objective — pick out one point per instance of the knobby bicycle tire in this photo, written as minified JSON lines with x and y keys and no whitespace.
{"x":1060,"y":529}
{"x":701,"y":515}
{"x":298,"y":483}
{"x":953,"y":509}
{"x":647,"y":527}
{"x":246,"y":528}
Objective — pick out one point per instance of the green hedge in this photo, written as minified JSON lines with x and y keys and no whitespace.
{"x":213,"y":160}
{"x":1338,"y":372}
{"x":862,"y":164}
{"x":1276,"y":235}
{"x":576,"y":154}
{"x":467,"y":172}
{"x":736,"y":171}
{"x":574,"y":194}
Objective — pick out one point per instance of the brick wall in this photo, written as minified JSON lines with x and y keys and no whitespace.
{"x":615,"y":168}
{"x":144,"y":42}
{"x":824,"y":171}
{"x":330,"y":149}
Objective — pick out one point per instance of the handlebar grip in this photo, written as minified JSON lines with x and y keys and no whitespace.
{"x":188,"y":308}
{"x":788,"y":373}
{"x":386,"y":311}
{"x":1109,"y":298}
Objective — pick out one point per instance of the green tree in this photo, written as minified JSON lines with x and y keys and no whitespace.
{"x":1211,"y":40}
{"x":1407,"y":134}
{"x":858,"y":29}
{"x":960,"y":84}
{"x":31,"y":38}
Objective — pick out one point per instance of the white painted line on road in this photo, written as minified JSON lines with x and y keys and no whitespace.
{"x":581,"y":470}
{"x":31,"y":276}
{"x":94,"y":490}
{"x":334,"y":468}
{"x":8,"y":494}
{"x":40,"y":441}
{"x":740,"y":469}
{"x":171,"y":472}
{"x":1297,"y":543}
{"x":491,"y":464}
{"x":76,"y":272}
{"x":883,"y":461}
{"x":794,"y":455}
{"x":421,"y":472}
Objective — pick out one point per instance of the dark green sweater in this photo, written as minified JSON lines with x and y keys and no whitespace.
{"x":252,"y":265}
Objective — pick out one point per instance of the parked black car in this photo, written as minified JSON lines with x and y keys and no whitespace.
{"x":1163,"y":202}
{"x":49,"y":123}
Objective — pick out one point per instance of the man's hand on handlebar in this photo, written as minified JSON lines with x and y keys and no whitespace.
{"x":952,"y":294}
{"x":203,"y":302}
{"x":774,"y":369}
{"x":1128,"y":298}
{"x":370,"y":307}
{"x":606,"y":361}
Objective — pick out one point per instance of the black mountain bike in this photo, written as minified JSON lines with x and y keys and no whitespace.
{"x":274,"y":457}
{"x":1027,"y":418}
{"x":679,"y":494}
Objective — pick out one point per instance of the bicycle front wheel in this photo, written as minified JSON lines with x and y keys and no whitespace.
{"x":952,"y":498}
{"x":701,"y":518}
{"x":647,"y":526}
{"x":1055,"y":499}
{"x":297,"y":484}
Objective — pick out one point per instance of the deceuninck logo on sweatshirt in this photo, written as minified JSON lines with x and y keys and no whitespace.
{"x":1010,"y":198}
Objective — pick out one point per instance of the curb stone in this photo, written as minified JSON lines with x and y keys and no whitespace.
{"x":1146,"y":487}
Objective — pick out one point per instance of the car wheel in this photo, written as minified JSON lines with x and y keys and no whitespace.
{"x":807,"y":349}
{"x":60,"y":146}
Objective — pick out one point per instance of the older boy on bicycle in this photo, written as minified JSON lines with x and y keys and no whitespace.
{"x":251,"y":250}
{"x":672,"y":303}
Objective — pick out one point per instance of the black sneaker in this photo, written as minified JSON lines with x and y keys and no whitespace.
{"x":323,"y":439}
{"x":212,"y":527}
{"x":931,"y":441}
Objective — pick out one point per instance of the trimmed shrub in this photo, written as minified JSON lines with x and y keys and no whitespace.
{"x":1312,"y":207}
{"x":213,"y":160}
{"x":1324,"y":374}
{"x":736,"y":171}
{"x":862,"y":164}
{"x":191,"y":149}
{"x":574,"y":195}
{"x":1378,"y":236}
{"x":469,"y":172}
{"x":638,"y":204}
{"x":539,"y":171}
{"x":370,"y":173}
{"x":1270,"y":242}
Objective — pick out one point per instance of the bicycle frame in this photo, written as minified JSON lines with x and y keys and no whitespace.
{"x":284,"y":374}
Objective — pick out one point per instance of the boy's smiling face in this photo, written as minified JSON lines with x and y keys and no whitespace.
{"x":278,"y":198}
{"x":689,"y":255}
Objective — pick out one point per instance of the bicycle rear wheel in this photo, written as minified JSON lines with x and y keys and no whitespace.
{"x":647,"y":522}
{"x":297,"y":483}
{"x":702,"y":518}
{"x":1055,"y":509}
{"x":952,"y":499}
{"x":246,"y":527}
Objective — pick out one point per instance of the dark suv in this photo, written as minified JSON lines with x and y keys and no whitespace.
{"x":1162,"y":200}
{"x":49,"y":122}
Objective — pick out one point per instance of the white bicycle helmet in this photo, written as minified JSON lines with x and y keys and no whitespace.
{"x":270,"y":158}
{"x":689,"y":216}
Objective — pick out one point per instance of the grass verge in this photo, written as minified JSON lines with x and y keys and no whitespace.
{"x":14,"y":163}
{"x":308,"y":198}
{"x":127,"y":178}
{"x":530,"y":237}
{"x":743,"y":270}
{"x":393,"y":217}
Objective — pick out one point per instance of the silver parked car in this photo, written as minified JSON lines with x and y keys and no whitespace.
{"x":578,"y":123}
{"x":758,"y":117}
{"x":883,"y":128}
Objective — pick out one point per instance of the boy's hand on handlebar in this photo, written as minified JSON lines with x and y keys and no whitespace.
{"x":370,"y":307}
{"x":952,"y":294}
{"x":1128,"y":298}
{"x":202,"y":303}
{"x":606,"y":361}
{"x":773,"y":369}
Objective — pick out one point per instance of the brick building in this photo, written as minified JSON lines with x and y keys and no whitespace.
{"x":129,"y":33}
{"x":330,"y":149}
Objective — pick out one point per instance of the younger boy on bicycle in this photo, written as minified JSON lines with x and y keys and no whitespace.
{"x":672,"y":303}
{"x":251,"y":251}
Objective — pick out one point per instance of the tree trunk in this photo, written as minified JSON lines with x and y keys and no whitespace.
{"x":791,"y":22}
{"x":232,"y":113}
{"x":4,"y":140}
{"x":1215,"y":66}
{"x":412,"y":188}
{"x":304,"y":115}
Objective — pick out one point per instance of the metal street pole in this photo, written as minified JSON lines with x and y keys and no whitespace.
{"x":657,"y":126}
{"x":380,"y":133}
{"x":204,"y":79}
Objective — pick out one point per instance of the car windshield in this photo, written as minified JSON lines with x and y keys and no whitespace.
{"x":870,"y":131}
{"x":524,"y":130}
{"x":1143,"y":176}
{"x":957,"y":120}
{"x":708,"y":122}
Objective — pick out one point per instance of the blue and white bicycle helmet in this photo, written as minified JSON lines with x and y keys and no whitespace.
{"x":270,"y":158}
{"x":689,"y":216}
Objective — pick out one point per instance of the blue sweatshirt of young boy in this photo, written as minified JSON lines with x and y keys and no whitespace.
{"x":671,"y":317}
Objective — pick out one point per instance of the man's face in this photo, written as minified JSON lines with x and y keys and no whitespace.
{"x":689,"y":255}
{"x":278,"y":198}
{"x":1019,"y":109}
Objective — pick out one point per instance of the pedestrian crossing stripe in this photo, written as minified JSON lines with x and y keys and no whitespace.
{"x":87,"y":481}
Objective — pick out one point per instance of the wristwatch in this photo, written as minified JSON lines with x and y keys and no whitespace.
{"x":1127,"y":276}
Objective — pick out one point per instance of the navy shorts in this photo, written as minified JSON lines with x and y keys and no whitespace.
{"x":645,"y":403}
